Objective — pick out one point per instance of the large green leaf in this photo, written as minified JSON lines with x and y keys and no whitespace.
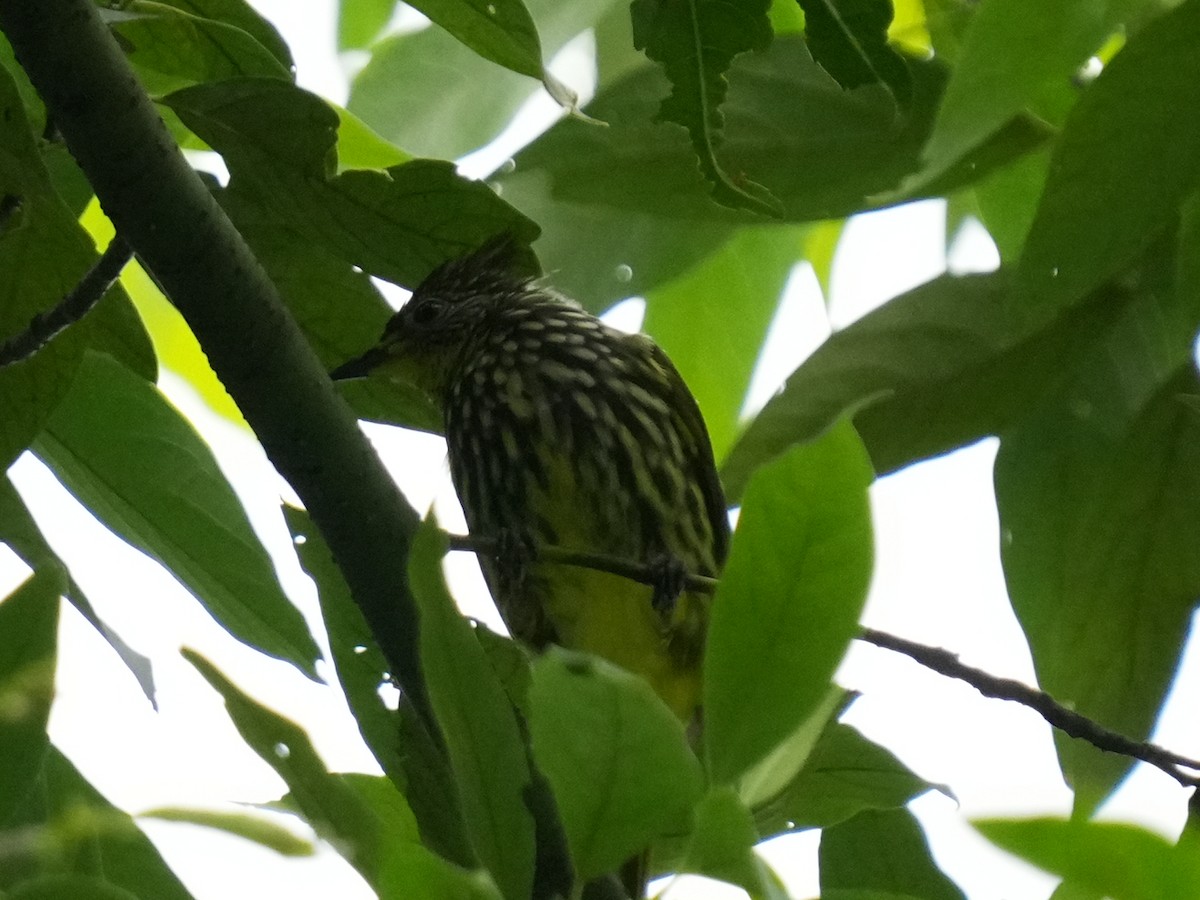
{"x":1103,"y":858}
{"x":171,"y":49}
{"x":404,"y":749}
{"x":881,"y":855}
{"x":734,"y":294}
{"x":242,"y":15}
{"x":822,"y":151}
{"x":433,"y":96}
{"x":482,"y":735}
{"x":1138,"y":117}
{"x":1012,"y":49}
{"x":79,"y":833}
{"x":616,"y":757}
{"x":28,"y":651}
{"x":695,"y":42}
{"x":844,"y":775}
{"x":128,"y":455}
{"x":1100,"y":513}
{"x":933,"y":369}
{"x":19,"y":530}
{"x":789,"y":599}
{"x":279,"y":141}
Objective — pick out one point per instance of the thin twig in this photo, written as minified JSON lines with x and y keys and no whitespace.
{"x":86,"y":294}
{"x":1065,"y":720}
{"x":934,"y":658}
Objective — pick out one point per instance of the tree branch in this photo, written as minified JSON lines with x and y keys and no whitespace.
{"x":91,"y":288}
{"x":1185,"y":771}
{"x":161,"y":207}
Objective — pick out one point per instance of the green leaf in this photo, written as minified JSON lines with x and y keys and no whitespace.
{"x":340,"y":311}
{"x":881,"y":854}
{"x":1011,"y":50}
{"x":844,"y":775}
{"x":487,"y":751}
{"x":239,"y":14}
{"x":361,"y":21}
{"x":43,"y":254}
{"x":1099,"y":564}
{"x":171,"y":49}
{"x":28,"y":652}
{"x":722,"y":846}
{"x":1119,"y":861}
{"x":138,"y":465}
{"x":616,"y":757}
{"x":824,"y":152}
{"x":499,"y":30}
{"x":82,"y":834}
{"x":327,"y":803}
{"x":397,"y":738}
{"x":1136,"y":117}
{"x":433,"y":96}
{"x":789,"y":599}
{"x":19,"y":530}
{"x":933,"y":369}
{"x":400,"y":223}
{"x":261,"y":831}
{"x":734,"y":294}
{"x":849,"y":40}
{"x":695,"y":42}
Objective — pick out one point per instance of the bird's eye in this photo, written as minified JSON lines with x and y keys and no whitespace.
{"x":426,"y":312}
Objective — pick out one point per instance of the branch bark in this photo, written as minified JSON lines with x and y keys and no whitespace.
{"x":160,"y":206}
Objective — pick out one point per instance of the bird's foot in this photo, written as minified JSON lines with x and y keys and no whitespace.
{"x":669,"y":576}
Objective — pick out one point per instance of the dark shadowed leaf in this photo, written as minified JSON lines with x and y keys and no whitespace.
{"x":398,"y":223}
{"x":138,"y":465}
{"x":616,"y":757}
{"x":849,"y":40}
{"x":789,"y":598}
{"x":695,"y":43}
{"x":881,"y":854}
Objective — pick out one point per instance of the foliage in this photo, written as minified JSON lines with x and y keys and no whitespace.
{"x":702,"y":173}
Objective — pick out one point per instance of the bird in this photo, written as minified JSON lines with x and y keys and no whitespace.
{"x":565,"y":432}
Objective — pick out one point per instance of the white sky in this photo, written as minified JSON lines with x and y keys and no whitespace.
{"x":938,"y":580}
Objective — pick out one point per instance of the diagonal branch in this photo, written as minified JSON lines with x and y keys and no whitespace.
{"x":1184,"y":770}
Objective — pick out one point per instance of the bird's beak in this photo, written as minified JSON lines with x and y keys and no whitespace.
{"x":360,"y":366}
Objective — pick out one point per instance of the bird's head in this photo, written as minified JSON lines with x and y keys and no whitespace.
{"x":426,"y":338}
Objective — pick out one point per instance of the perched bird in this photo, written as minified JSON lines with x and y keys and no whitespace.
{"x":563,"y":431}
